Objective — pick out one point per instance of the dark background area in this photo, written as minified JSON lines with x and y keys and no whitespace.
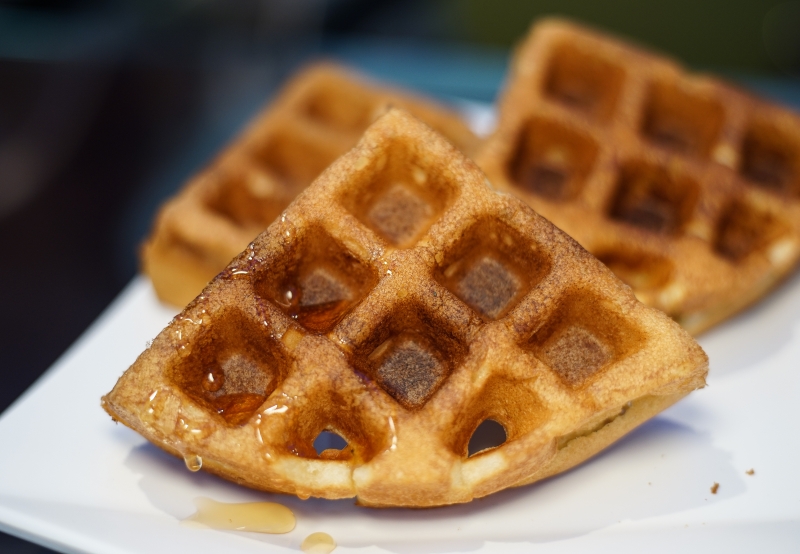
{"x":106,"y":107}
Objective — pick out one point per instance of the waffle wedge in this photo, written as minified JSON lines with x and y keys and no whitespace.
{"x":400,"y":302}
{"x":687,"y":188}
{"x":317,"y":117}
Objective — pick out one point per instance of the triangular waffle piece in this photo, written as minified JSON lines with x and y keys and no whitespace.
{"x":400,"y":303}
{"x":317,"y":117}
{"x":688,"y":189}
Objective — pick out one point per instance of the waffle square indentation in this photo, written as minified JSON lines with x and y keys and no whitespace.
{"x":399,"y":215}
{"x":410,"y":354}
{"x":409,"y":368}
{"x":582,"y":338}
{"x":491,"y":268}
{"x":317,"y":281}
{"x":248,"y":195}
{"x":341,"y":106}
{"x":576,"y":354}
{"x":639,"y":270}
{"x":294,"y":158}
{"x":233,"y":369}
{"x":399,"y":197}
{"x":551,"y":160}
{"x":584,"y":81}
{"x":771,"y":161}
{"x":488,"y":286}
{"x":512,"y":405}
{"x":652,"y":198}
{"x":744,"y":230}
{"x":680,"y":121}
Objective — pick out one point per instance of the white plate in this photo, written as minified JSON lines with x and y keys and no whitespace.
{"x":73,"y":481}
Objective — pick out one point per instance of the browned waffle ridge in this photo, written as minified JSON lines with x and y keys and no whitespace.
{"x":317,"y":117}
{"x":688,"y":188}
{"x":400,"y":302}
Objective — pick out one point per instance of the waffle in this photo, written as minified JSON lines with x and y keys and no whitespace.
{"x":688,"y":189}
{"x":318,"y":116}
{"x":400,"y":303}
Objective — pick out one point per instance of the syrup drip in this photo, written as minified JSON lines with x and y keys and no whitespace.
{"x":314,"y":317}
{"x":318,"y":543}
{"x":187,"y":427}
{"x":193,"y":462}
{"x":255,"y":517}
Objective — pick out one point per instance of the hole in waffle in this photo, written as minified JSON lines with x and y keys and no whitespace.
{"x":342,"y":108}
{"x":551,"y":160}
{"x":584,"y":81}
{"x":232,"y":368}
{"x":329,"y":444}
{"x":402,"y":198}
{"x":249,"y":197}
{"x":652,"y":198}
{"x":584,"y":336}
{"x":771,"y":160}
{"x":293,"y":160}
{"x":502,"y":411}
{"x":330,"y":428}
{"x":317,"y":281}
{"x":488,"y":435}
{"x":681,"y":122}
{"x":638,"y":270}
{"x":410,"y":354}
{"x":491,"y":268}
{"x":744,"y":230}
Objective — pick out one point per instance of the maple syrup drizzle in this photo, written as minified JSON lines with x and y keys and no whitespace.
{"x":319,"y":317}
{"x":154,"y":406}
{"x":237,"y":408}
{"x":318,"y":543}
{"x":255,"y":517}
{"x":318,"y":304}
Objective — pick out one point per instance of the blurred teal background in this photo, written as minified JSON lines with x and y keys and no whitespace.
{"x":106,"y":107}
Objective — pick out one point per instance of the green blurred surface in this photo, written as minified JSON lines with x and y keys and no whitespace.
{"x":754,"y":36}
{"x":710,"y":33}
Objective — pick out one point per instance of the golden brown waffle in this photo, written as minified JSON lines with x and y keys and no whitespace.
{"x":688,"y":189}
{"x":399,"y":303}
{"x":318,"y":116}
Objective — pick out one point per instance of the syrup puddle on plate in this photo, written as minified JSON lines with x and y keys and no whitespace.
{"x":255,"y":517}
{"x":318,"y":543}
